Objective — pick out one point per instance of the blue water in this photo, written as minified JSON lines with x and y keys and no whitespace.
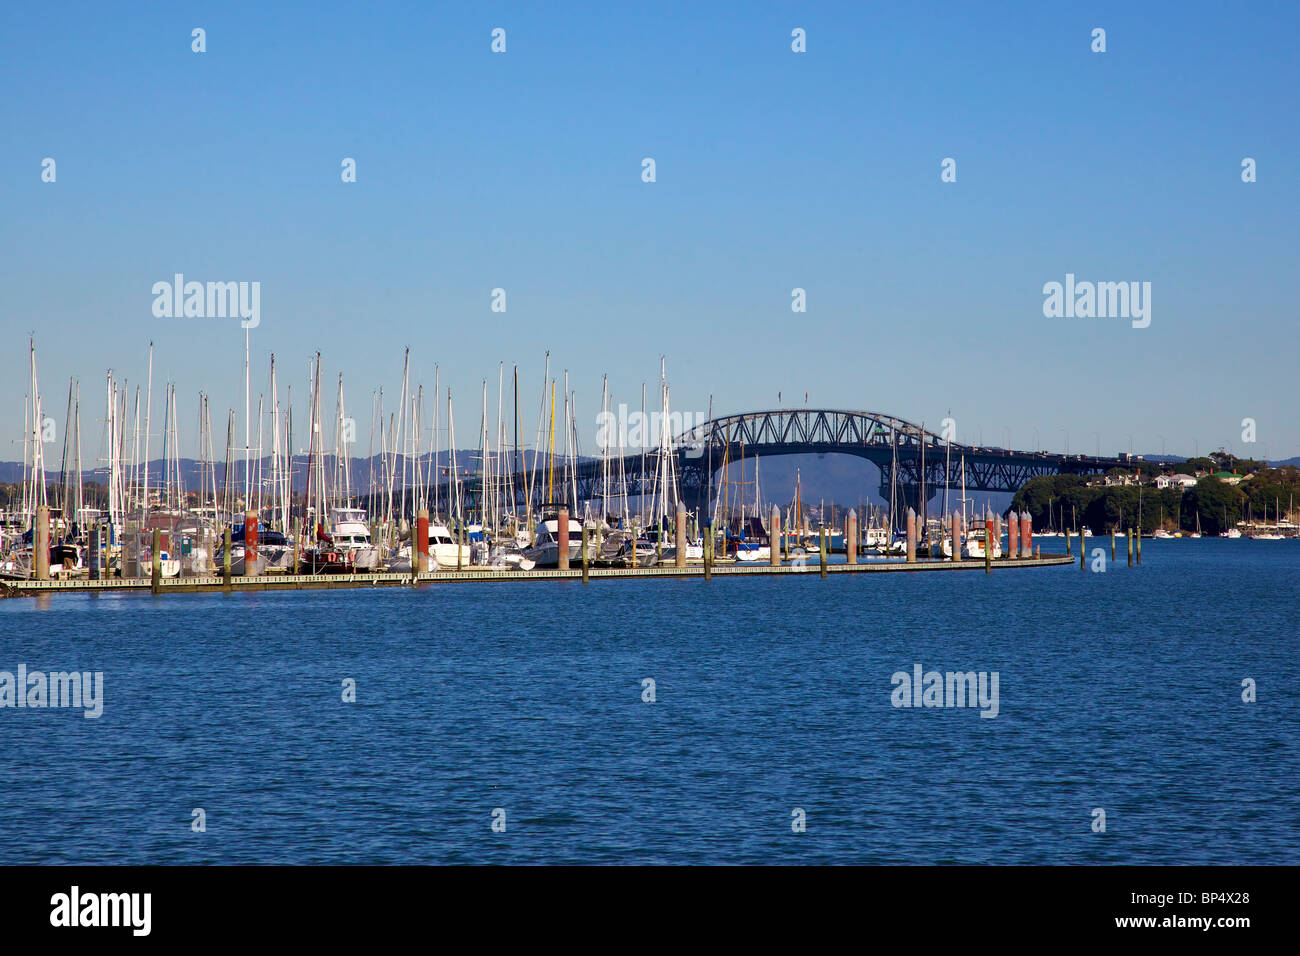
{"x":1119,"y":691}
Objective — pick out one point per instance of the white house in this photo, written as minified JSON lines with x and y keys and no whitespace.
{"x":1180,"y":480}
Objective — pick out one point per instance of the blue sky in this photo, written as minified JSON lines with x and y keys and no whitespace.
{"x":775,"y":170}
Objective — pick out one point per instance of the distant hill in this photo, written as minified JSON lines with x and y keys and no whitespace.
{"x":360,"y":469}
{"x":843,"y":479}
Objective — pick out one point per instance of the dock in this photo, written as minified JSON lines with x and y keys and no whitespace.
{"x":307,"y":582}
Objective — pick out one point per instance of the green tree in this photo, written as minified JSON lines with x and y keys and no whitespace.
{"x":1216,"y":502}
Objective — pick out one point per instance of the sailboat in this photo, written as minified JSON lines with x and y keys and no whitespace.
{"x":746,"y":540}
{"x":544,"y":551}
{"x":1232,"y":531}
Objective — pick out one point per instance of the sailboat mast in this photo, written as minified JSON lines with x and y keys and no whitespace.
{"x":148,"y":416}
{"x":550,"y":451}
{"x":248,"y":434}
{"x":514,"y":474}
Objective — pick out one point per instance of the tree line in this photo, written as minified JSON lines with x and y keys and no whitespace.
{"x":1069,"y":502}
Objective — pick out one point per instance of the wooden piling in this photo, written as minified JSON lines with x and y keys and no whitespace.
{"x":774,"y":537}
{"x":95,"y":555}
{"x":250,"y":544}
{"x":911,"y":535}
{"x":1130,"y":547}
{"x":1083,"y":550}
{"x":586,"y":573}
{"x":420,"y":548}
{"x":562,"y":537}
{"x":988,"y":546}
{"x":297,"y":543}
{"x":41,"y":545}
{"x":955,"y":529}
{"x":823,"y":537}
{"x":155,"y":563}
{"x":225,"y":558}
{"x":1139,"y":545}
{"x":1112,"y":544}
{"x":680,"y":538}
{"x":708,"y":551}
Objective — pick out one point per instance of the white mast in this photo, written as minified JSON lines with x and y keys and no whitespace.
{"x":483,"y":450}
{"x":277,"y":500}
{"x":132,"y":490}
{"x":38,"y":450}
{"x":499,"y":470}
{"x":148,"y":418}
{"x":402,"y":424}
{"x":454,"y":487}
{"x":537,"y":448}
{"x":258,"y":484}
{"x":112,"y":466}
{"x":604,"y":451}
{"x":433,"y":472}
{"x":248,"y":436}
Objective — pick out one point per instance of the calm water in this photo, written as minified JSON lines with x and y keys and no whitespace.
{"x":1119,"y":690}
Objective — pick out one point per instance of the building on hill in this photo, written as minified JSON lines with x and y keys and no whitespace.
{"x":1229,"y":478}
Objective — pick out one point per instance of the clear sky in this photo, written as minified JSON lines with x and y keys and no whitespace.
{"x":775,"y":170}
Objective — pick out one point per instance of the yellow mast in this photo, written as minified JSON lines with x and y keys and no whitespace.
{"x":550,"y":453}
{"x":798,"y":504}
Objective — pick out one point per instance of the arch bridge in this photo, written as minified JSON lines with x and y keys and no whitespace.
{"x":912,"y":460}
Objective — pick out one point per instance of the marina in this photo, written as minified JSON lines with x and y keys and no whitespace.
{"x":686,"y":500}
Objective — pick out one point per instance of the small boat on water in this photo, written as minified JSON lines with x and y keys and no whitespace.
{"x":443,"y":547}
{"x":875,"y":539}
{"x":747,"y":540}
{"x":168,"y":566}
{"x":975,"y":543}
{"x":351,"y":534}
{"x":274,"y":552}
{"x":545,"y":550}
{"x":345,"y":547}
{"x":507,"y":555}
